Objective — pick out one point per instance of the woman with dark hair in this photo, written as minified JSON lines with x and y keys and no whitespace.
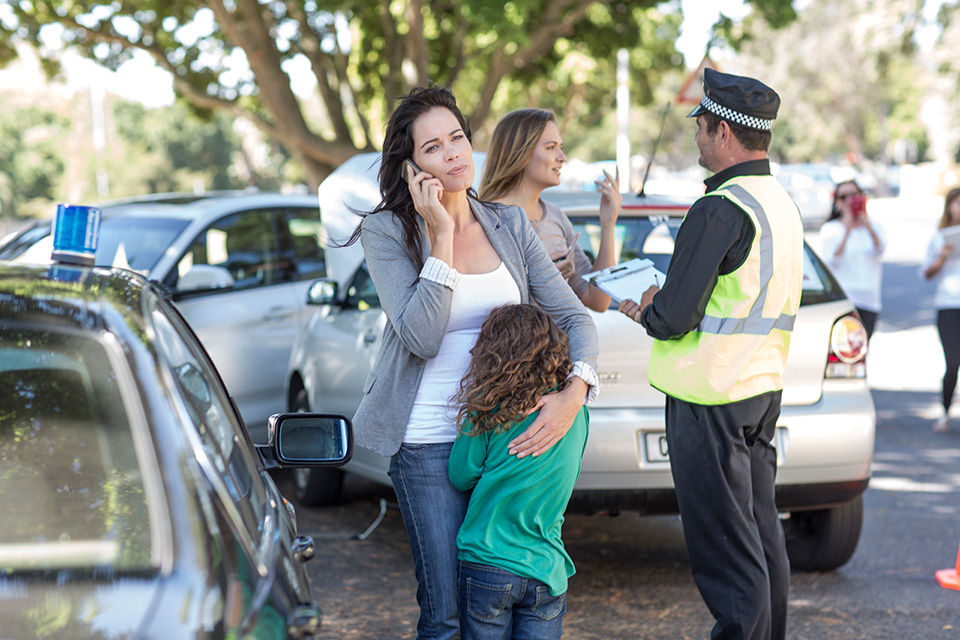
{"x":943,"y":265}
{"x":524,"y":158}
{"x":852,"y":246}
{"x":440,"y":260}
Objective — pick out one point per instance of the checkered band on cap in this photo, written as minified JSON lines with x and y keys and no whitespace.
{"x":735,"y":116}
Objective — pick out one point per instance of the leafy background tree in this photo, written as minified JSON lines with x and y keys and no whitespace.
{"x":363,"y":54}
{"x":31,"y":161}
{"x":849,"y":75}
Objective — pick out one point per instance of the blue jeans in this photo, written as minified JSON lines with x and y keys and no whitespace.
{"x":432,"y":513}
{"x":496,"y":604}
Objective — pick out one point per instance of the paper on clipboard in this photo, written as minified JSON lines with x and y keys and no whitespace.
{"x":628,"y":280}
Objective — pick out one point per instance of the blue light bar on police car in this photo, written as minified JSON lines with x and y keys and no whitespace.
{"x":76,"y":233}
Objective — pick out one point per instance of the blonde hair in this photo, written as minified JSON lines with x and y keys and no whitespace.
{"x":952,"y":195}
{"x":512,"y":145}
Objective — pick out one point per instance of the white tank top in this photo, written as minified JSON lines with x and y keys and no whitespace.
{"x":434,"y":415}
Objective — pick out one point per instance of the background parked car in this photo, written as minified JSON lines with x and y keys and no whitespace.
{"x":238,"y":265}
{"x":826,"y":433}
{"x":134,"y":504}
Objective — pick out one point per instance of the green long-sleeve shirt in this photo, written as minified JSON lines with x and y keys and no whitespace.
{"x":516,"y":509}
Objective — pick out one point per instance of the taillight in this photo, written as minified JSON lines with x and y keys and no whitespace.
{"x":848,"y":349}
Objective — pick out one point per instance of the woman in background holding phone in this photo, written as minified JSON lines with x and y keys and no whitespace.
{"x":943,"y":265}
{"x":853,"y":245}
{"x":524,"y":158}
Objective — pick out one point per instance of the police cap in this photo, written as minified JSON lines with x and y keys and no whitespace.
{"x":738,"y":99}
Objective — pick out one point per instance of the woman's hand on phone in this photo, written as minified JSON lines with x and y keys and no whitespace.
{"x":426,"y":191}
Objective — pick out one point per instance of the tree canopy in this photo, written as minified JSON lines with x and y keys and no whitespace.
{"x":236,"y":56}
{"x":849,"y":75}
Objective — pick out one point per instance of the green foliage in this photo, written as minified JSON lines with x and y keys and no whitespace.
{"x":30,"y":157}
{"x":849,"y":77}
{"x":495,"y":55}
{"x":173,"y":150}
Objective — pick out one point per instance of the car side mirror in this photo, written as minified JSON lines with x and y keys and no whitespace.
{"x":310,"y":439}
{"x":323,"y":292}
{"x":201,"y":277}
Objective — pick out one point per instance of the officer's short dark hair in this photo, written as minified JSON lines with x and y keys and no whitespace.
{"x":750,"y":138}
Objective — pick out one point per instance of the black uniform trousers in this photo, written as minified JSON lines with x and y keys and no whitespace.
{"x":724,"y":466}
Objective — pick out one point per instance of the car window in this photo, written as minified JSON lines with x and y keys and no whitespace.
{"x":129,"y":243}
{"x":653,"y":238}
{"x":301,"y":234}
{"x":242,"y":246}
{"x":212,"y":417}
{"x":650,"y":238}
{"x":361,"y":293}
{"x":71,"y":485}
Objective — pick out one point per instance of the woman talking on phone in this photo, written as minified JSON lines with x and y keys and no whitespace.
{"x":441,"y":260}
{"x":852,"y":245}
{"x":524,"y":158}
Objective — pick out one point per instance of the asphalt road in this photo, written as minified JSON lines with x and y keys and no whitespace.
{"x":632,"y":576}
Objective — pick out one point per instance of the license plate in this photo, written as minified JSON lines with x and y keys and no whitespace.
{"x":654,"y":445}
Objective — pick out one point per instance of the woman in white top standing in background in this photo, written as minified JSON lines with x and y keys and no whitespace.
{"x":853,"y":245}
{"x":943,"y":266}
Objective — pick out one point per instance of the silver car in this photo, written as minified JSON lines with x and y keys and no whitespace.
{"x":826,"y":430}
{"x":238,"y":265}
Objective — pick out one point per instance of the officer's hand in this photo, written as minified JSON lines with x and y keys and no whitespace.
{"x":630,"y":309}
{"x":647,"y":297}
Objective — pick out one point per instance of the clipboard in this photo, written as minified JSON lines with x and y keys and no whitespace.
{"x":628,"y":280}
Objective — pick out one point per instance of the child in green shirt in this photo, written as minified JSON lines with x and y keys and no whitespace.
{"x":513,"y":567}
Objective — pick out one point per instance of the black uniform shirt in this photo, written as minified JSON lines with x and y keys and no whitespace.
{"x":713,"y":240}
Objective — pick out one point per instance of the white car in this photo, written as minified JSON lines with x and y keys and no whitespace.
{"x":238,"y":265}
{"x":825,"y":436}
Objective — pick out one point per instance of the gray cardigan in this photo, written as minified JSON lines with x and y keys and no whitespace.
{"x":417,"y":311}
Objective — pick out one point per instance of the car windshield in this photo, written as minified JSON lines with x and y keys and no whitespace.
{"x":653,"y":238}
{"x":126,"y":242}
{"x":71,"y":488}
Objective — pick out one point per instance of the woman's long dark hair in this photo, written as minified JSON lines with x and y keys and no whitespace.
{"x":835,"y":211}
{"x":397,"y":147}
{"x":519,"y":355}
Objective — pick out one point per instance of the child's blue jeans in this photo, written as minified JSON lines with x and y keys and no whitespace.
{"x":496,"y":604}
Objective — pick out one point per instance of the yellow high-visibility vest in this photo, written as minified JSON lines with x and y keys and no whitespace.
{"x":739,"y":349}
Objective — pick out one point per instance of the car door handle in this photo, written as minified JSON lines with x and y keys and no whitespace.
{"x":303,"y":548}
{"x":369,"y":338}
{"x":278,"y":313}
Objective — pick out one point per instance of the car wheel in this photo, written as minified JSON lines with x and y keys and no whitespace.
{"x":314,"y":487}
{"x":825,"y":539}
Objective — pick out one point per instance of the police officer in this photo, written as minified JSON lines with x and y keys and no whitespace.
{"x":722,"y":325}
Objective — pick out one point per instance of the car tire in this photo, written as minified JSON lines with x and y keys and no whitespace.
{"x":825,"y":539}
{"x":314,"y":487}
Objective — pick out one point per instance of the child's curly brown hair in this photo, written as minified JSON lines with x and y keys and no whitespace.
{"x":519,"y":355}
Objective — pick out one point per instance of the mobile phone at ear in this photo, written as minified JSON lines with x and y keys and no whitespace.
{"x":858,"y":205}
{"x":409,"y":163}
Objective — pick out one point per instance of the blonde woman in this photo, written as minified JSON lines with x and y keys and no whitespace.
{"x":525,"y":157}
